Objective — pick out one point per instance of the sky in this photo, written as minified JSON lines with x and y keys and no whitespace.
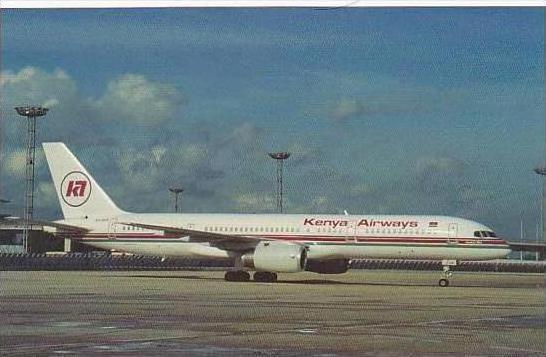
{"x":385,"y":111}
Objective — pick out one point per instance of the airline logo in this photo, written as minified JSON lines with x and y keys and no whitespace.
{"x":380,"y":223}
{"x":75,"y":188}
{"x":371,"y":223}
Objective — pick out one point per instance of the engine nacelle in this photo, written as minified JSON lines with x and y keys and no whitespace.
{"x":334,"y":266}
{"x":278,"y":257}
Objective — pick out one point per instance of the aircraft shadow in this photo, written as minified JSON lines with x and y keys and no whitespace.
{"x":325,"y":282}
{"x":292,"y":282}
{"x":185,"y":277}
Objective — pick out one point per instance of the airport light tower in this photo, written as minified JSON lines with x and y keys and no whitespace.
{"x":279,"y":157}
{"x":31,"y":113}
{"x":541,"y":170}
{"x":176,"y":191}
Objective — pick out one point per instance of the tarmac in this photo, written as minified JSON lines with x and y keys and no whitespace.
{"x":197,"y":313}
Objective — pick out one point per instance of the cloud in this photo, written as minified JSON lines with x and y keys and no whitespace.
{"x":254,"y":202}
{"x":135,"y":98}
{"x":33,"y":86}
{"x":80,"y":121}
{"x":15,"y":162}
{"x":447,"y":185}
{"x":45,"y":193}
{"x":398,"y":103}
{"x":143,"y":146}
{"x":129,"y":99}
{"x":347,"y":108}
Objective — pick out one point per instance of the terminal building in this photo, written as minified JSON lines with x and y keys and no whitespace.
{"x":11,"y":240}
{"x":39,"y":241}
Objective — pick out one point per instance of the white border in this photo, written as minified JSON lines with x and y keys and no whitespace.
{"x":56,"y":4}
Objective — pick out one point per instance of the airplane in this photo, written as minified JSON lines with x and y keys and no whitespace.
{"x":264,"y":243}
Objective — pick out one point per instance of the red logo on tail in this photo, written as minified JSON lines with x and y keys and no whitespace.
{"x":76,"y":188}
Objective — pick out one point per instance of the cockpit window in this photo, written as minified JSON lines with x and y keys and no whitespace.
{"x":481,"y":234}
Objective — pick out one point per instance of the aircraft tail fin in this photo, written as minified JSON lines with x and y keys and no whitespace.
{"x":79,"y":194}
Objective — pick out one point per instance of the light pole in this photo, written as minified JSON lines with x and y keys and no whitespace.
{"x":541,"y":170}
{"x":279,"y":157}
{"x":30,"y":113}
{"x":176,"y":191}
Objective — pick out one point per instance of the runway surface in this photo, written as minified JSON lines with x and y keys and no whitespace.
{"x":365,"y":313}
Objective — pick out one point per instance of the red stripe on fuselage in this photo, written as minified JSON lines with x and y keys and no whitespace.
{"x":313,"y":238}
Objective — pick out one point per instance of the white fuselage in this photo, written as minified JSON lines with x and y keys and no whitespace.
{"x":326,"y":236}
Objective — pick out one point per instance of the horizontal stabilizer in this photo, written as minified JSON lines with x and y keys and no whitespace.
{"x":61,"y":227}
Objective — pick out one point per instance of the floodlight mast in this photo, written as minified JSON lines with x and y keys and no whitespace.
{"x":176,"y":191}
{"x":279,"y":157}
{"x":30,"y":113}
{"x":541,"y":170}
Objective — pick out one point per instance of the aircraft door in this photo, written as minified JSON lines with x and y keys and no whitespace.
{"x":452,"y":232}
{"x":190,"y":226}
{"x":112,"y":227}
{"x":350,"y":232}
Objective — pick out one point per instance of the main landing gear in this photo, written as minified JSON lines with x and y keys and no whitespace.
{"x":446,"y":273}
{"x":237,"y":275}
{"x":265,"y":277}
{"x":243,"y":276}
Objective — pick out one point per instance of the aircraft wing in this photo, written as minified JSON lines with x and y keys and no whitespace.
{"x":222,"y":241}
{"x":60,"y":227}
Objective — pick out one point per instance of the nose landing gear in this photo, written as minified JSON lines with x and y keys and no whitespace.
{"x":446,"y":273}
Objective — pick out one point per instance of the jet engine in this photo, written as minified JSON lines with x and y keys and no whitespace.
{"x":279,"y":257}
{"x":333,"y":266}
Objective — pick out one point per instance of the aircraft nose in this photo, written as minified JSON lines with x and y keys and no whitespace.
{"x":496,"y":240}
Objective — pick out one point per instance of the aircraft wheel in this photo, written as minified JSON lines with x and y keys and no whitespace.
{"x":265,"y":277}
{"x":443,"y":283}
{"x":237,"y":275}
